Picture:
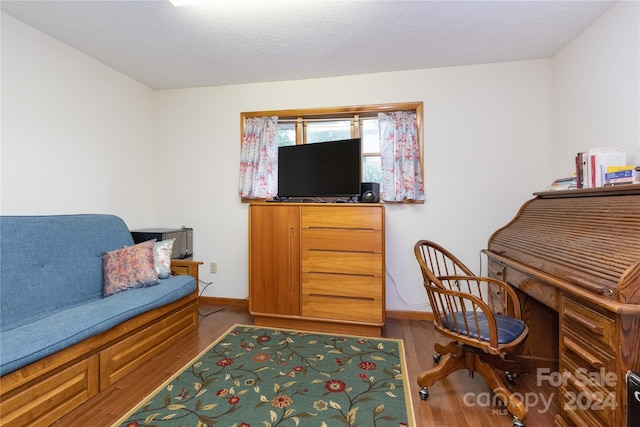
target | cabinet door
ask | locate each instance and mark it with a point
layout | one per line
(274, 259)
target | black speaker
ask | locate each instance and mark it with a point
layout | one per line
(369, 192)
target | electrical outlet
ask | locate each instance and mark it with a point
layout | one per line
(213, 267)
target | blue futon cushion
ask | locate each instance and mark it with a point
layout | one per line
(33, 341)
(50, 263)
(51, 284)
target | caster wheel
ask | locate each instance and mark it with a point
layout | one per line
(424, 393)
(437, 357)
(510, 377)
(517, 423)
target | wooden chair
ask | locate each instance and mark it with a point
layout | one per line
(472, 312)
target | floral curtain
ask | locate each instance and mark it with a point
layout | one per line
(401, 177)
(259, 158)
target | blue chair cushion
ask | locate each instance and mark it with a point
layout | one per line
(508, 328)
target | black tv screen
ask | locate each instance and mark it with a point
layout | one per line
(322, 169)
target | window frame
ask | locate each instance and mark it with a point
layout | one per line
(356, 113)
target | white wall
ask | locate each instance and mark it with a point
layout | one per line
(77, 136)
(596, 89)
(487, 144)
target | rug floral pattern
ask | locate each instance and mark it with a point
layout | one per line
(265, 377)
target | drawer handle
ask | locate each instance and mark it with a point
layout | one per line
(584, 321)
(316, 227)
(340, 250)
(341, 274)
(581, 387)
(574, 347)
(342, 297)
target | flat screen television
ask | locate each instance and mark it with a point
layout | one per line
(321, 169)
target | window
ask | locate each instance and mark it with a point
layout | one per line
(308, 126)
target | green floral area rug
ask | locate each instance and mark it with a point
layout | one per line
(255, 376)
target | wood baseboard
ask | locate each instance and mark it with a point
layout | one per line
(409, 315)
(237, 302)
(393, 314)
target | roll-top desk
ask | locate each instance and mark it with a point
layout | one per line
(574, 259)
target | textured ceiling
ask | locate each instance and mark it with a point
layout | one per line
(248, 41)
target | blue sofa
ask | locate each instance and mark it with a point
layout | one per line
(55, 323)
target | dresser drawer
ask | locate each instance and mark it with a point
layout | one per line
(354, 217)
(341, 296)
(541, 291)
(588, 323)
(342, 285)
(342, 240)
(358, 263)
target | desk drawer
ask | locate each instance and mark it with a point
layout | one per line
(588, 373)
(577, 411)
(496, 270)
(589, 323)
(584, 352)
(588, 390)
(543, 292)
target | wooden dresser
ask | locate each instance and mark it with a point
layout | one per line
(574, 259)
(317, 266)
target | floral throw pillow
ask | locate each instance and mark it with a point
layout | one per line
(129, 268)
(162, 257)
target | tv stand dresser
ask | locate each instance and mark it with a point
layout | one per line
(317, 266)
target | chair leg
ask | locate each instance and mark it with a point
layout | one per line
(449, 363)
(452, 347)
(497, 383)
(474, 362)
(502, 364)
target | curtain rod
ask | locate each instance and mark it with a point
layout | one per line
(361, 116)
(342, 119)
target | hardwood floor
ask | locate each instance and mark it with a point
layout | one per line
(446, 406)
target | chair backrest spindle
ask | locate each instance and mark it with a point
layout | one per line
(472, 311)
(462, 303)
